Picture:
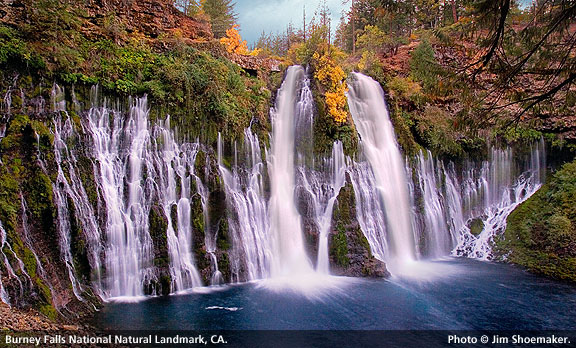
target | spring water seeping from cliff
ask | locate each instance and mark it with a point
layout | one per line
(120, 149)
(491, 192)
(248, 211)
(175, 180)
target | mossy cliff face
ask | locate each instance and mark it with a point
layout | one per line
(28, 214)
(541, 232)
(349, 249)
(215, 229)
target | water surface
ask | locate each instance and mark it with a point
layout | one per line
(454, 294)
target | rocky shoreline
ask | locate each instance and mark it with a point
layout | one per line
(16, 320)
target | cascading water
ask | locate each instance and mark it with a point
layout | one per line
(437, 233)
(175, 165)
(489, 192)
(71, 187)
(494, 194)
(456, 220)
(210, 235)
(323, 186)
(139, 167)
(121, 153)
(4, 245)
(3, 294)
(28, 243)
(289, 255)
(63, 224)
(248, 213)
(370, 113)
(369, 210)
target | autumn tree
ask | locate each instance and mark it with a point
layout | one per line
(234, 43)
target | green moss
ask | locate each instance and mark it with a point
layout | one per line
(198, 215)
(363, 241)
(27, 257)
(224, 265)
(165, 282)
(49, 311)
(339, 247)
(223, 242)
(541, 233)
(476, 226)
(158, 226)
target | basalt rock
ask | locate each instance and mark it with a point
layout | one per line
(350, 253)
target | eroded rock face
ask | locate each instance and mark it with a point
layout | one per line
(350, 253)
(150, 17)
(116, 18)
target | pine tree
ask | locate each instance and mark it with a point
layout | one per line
(222, 15)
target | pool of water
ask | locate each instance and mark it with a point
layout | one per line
(453, 294)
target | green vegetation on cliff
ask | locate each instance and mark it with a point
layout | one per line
(541, 232)
(191, 81)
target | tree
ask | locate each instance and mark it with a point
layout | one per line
(222, 15)
(543, 49)
(423, 65)
(234, 43)
(188, 7)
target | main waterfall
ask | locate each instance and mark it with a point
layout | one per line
(289, 255)
(370, 113)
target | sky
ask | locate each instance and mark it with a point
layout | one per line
(255, 16)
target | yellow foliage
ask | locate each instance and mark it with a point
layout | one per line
(255, 52)
(336, 102)
(331, 76)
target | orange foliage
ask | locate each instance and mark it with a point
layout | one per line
(234, 43)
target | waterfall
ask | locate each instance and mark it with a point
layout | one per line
(7, 101)
(58, 99)
(28, 243)
(494, 193)
(370, 114)
(322, 186)
(369, 210)
(456, 219)
(4, 245)
(71, 187)
(3, 294)
(119, 145)
(62, 190)
(248, 221)
(289, 255)
(63, 226)
(175, 167)
(210, 234)
(437, 233)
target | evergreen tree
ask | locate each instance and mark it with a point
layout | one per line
(222, 15)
